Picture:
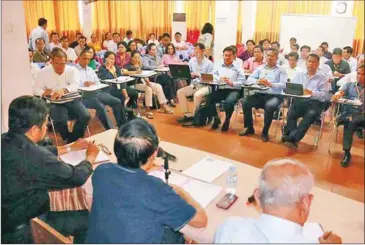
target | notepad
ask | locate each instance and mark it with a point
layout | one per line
(312, 231)
(75, 157)
(207, 169)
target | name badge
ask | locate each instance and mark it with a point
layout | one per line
(118, 86)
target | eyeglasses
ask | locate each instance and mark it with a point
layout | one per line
(104, 149)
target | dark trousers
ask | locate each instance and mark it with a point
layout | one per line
(350, 127)
(270, 103)
(310, 110)
(132, 93)
(68, 223)
(169, 87)
(230, 97)
(98, 101)
(73, 110)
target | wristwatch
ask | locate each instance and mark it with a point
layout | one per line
(68, 148)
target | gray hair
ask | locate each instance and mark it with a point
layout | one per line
(284, 182)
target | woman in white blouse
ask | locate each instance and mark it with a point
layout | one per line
(206, 38)
(108, 40)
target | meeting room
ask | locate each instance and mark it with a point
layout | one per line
(179, 121)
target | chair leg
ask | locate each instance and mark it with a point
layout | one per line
(54, 131)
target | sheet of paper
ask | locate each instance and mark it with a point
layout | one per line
(94, 87)
(75, 157)
(174, 178)
(146, 73)
(207, 169)
(312, 231)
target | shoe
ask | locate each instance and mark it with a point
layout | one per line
(360, 133)
(246, 132)
(265, 137)
(216, 123)
(346, 159)
(291, 144)
(185, 119)
(171, 104)
(225, 126)
(317, 122)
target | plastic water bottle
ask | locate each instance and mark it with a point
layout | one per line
(231, 180)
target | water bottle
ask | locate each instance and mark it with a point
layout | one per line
(231, 180)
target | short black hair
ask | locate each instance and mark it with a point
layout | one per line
(82, 37)
(337, 51)
(85, 50)
(348, 49)
(177, 33)
(116, 33)
(292, 39)
(167, 47)
(64, 38)
(316, 56)
(135, 52)
(294, 54)
(228, 49)
(234, 49)
(274, 50)
(260, 47)
(42, 21)
(305, 46)
(166, 35)
(200, 45)
(129, 32)
(207, 28)
(296, 46)
(54, 34)
(25, 112)
(277, 43)
(150, 45)
(251, 41)
(324, 43)
(58, 52)
(321, 48)
(39, 38)
(264, 40)
(124, 44)
(107, 53)
(135, 142)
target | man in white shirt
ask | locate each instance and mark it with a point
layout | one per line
(55, 41)
(304, 52)
(320, 52)
(100, 98)
(180, 46)
(347, 56)
(285, 199)
(281, 58)
(128, 37)
(39, 32)
(71, 54)
(351, 77)
(113, 46)
(292, 69)
(56, 81)
(34, 68)
(81, 46)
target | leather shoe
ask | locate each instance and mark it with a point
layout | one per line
(346, 159)
(225, 126)
(185, 119)
(216, 123)
(265, 137)
(246, 132)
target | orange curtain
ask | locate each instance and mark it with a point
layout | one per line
(358, 43)
(198, 13)
(239, 23)
(62, 16)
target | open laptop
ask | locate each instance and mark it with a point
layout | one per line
(294, 88)
(206, 78)
(181, 72)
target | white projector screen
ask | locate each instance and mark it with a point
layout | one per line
(312, 30)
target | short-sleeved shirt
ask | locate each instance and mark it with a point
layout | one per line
(130, 206)
(354, 91)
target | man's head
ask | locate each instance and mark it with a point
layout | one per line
(320, 51)
(40, 44)
(55, 37)
(265, 43)
(250, 44)
(294, 48)
(43, 23)
(165, 39)
(337, 55)
(85, 57)
(347, 52)
(292, 41)
(129, 34)
(136, 144)
(284, 190)
(228, 55)
(82, 41)
(64, 42)
(234, 50)
(152, 49)
(325, 46)
(312, 63)
(258, 52)
(28, 115)
(293, 59)
(304, 51)
(275, 45)
(59, 60)
(272, 57)
(178, 37)
(199, 50)
(116, 37)
(360, 75)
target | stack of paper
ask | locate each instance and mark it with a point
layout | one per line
(207, 169)
(75, 157)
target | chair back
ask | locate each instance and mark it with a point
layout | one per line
(44, 234)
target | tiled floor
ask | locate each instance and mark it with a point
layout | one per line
(326, 167)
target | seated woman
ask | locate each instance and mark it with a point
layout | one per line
(122, 58)
(140, 43)
(125, 94)
(95, 44)
(95, 61)
(134, 67)
(170, 56)
(108, 40)
(132, 46)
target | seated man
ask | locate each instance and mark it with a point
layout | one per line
(315, 83)
(351, 77)
(198, 65)
(353, 91)
(81, 46)
(70, 52)
(326, 53)
(233, 78)
(257, 60)
(291, 68)
(270, 75)
(76, 42)
(29, 171)
(304, 52)
(55, 41)
(338, 66)
(285, 199)
(128, 37)
(181, 48)
(99, 99)
(34, 68)
(161, 48)
(41, 55)
(347, 56)
(130, 206)
(281, 58)
(56, 81)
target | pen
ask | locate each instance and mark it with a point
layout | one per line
(328, 235)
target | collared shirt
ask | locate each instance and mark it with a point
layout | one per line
(78, 50)
(71, 54)
(326, 70)
(41, 57)
(28, 173)
(265, 229)
(34, 68)
(206, 66)
(281, 60)
(127, 40)
(351, 77)
(318, 84)
(112, 46)
(160, 50)
(302, 63)
(153, 41)
(38, 32)
(122, 62)
(180, 44)
(276, 75)
(234, 74)
(322, 60)
(237, 62)
(52, 45)
(168, 59)
(96, 46)
(328, 55)
(151, 62)
(48, 79)
(352, 62)
(251, 64)
(343, 67)
(106, 43)
(354, 91)
(87, 75)
(291, 72)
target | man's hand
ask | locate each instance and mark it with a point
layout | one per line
(264, 82)
(336, 96)
(92, 152)
(179, 191)
(126, 101)
(195, 74)
(307, 92)
(330, 238)
(227, 80)
(337, 74)
(58, 94)
(88, 84)
(47, 92)
(80, 144)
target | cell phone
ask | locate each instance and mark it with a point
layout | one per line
(227, 201)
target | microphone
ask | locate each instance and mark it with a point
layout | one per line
(165, 155)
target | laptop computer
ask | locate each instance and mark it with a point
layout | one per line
(294, 88)
(206, 78)
(181, 72)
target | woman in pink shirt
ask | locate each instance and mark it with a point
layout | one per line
(257, 60)
(122, 57)
(170, 56)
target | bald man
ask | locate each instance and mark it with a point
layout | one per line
(285, 199)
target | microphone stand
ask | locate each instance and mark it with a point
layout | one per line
(166, 167)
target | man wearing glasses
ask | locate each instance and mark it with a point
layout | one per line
(56, 81)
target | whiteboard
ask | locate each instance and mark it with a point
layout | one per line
(312, 30)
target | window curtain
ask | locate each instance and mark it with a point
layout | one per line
(358, 43)
(239, 23)
(269, 15)
(141, 17)
(62, 16)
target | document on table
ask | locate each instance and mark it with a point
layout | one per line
(207, 169)
(202, 192)
(75, 157)
(312, 231)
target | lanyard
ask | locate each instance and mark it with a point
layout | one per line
(336, 66)
(358, 92)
